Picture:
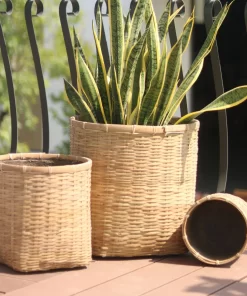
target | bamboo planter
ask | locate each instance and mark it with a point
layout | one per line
(45, 212)
(215, 228)
(143, 183)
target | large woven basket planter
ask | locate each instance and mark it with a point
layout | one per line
(143, 183)
(215, 228)
(44, 211)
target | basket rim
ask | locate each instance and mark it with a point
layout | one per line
(85, 164)
(137, 129)
(220, 197)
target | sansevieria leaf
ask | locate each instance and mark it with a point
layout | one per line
(134, 117)
(116, 35)
(186, 84)
(140, 67)
(153, 43)
(136, 24)
(173, 70)
(171, 81)
(98, 19)
(197, 65)
(118, 111)
(91, 90)
(102, 82)
(79, 82)
(153, 93)
(78, 47)
(141, 94)
(127, 29)
(229, 99)
(132, 60)
(167, 17)
(78, 103)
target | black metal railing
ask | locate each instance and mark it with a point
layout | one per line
(212, 7)
(38, 68)
(9, 79)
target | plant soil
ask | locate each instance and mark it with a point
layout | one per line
(40, 162)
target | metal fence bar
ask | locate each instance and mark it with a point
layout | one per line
(245, 15)
(133, 5)
(212, 8)
(173, 40)
(38, 68)
(9, 79)
(66, 35)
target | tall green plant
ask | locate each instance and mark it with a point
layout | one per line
(142, 84)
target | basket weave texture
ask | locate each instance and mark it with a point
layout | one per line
(143, 183)
(45, 214)
(239, 204)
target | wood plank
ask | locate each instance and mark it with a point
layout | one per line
(35, 276)
(8, 284)
(205, 281)
(73, 282)
(238, 289)
(148, 278)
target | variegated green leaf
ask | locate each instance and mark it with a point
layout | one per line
(116, 35)
(79, 82)
(175, 14)
(141, 94)
(77, 46)
(185, 85)
(131, 119)
(102, 82)
(153, 43)
(171, 80)
(136, 24)
(132, 60)
(86, 114)
(118, 111)
(91, 90)
(187, 31)
(153, 93)
(134, 117)
(127, 29)
(140, 67)
(196, 66)
(173, 70)
(164, 21)
(209, 42)
(98, 19)
(229, 99)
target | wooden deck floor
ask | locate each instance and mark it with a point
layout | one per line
(175, 276)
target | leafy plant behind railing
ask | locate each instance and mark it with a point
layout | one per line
(141, 86)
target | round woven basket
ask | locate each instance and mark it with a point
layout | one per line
(215, 228)
(45, 212)
(143, 183)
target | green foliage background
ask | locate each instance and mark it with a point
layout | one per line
(54, 64)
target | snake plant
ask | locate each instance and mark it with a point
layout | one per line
(142, 84)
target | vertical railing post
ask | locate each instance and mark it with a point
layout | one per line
(9, 79)
(245, 15)
(133, 4)
(212, 7)
(38, 68)
(66, 35)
